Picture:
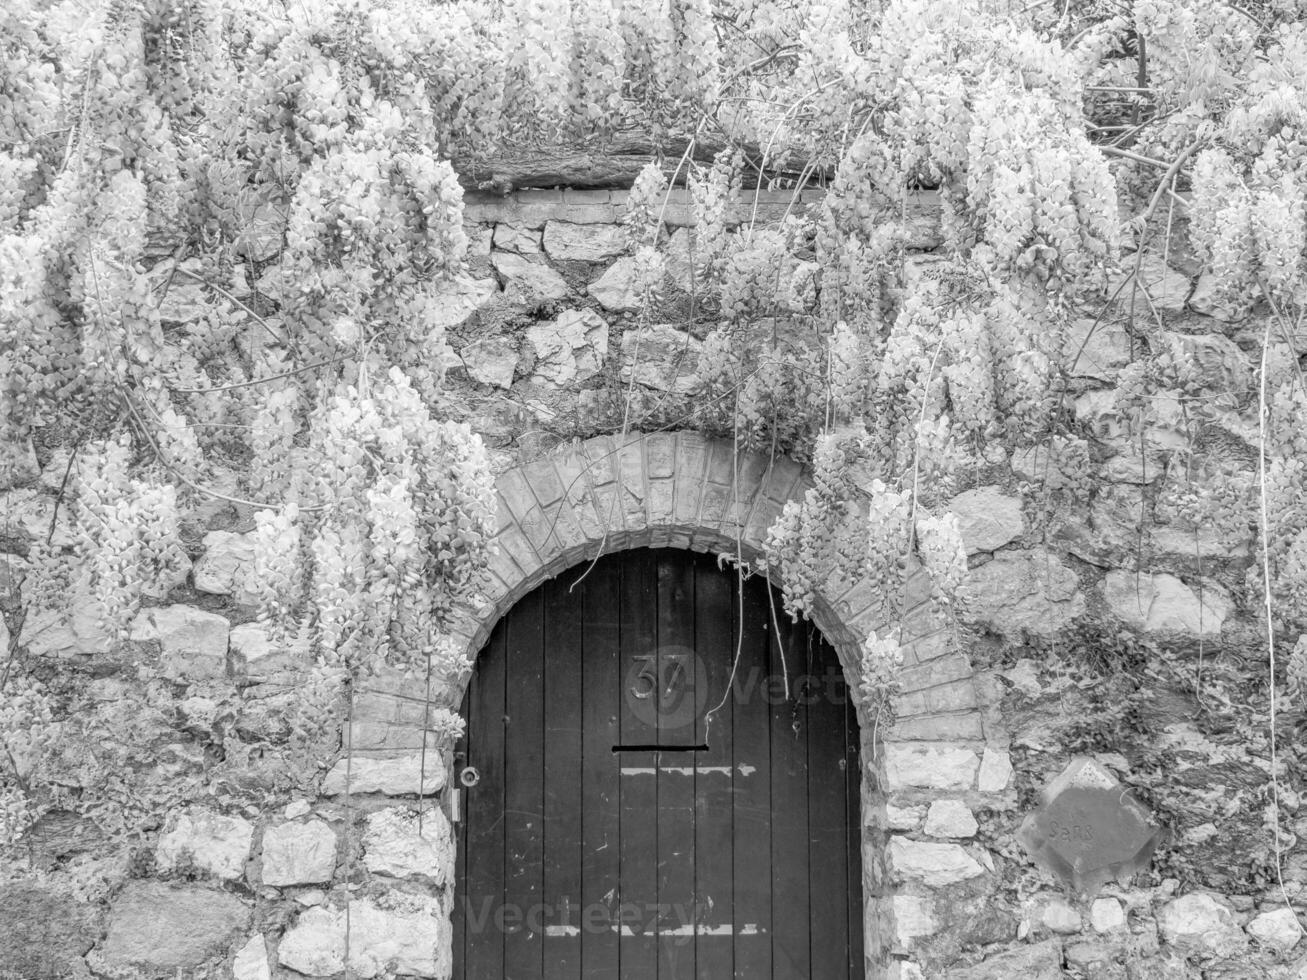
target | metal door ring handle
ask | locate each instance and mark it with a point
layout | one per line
(469, 776)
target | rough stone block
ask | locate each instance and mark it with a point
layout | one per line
(574, 242)
(1038, 961)
(941, 670)
(1278, 929)
(255, 656)
(661, 357)
(988, 519)
(528, 282)
(1164, 604)
(912, 918)
(1060, 917)
(158, 927)
(393, 777)
(933, 865)
(926, 765)
(193, 642)
(995, 770)
(45, 932)
(950, 818)
(491, 360)
(414, 942)
(299, 853)
(376, 736)
(60, 633)
(393, 846)
(946, 698)
(618, 289)
(1106, 915)
(251, 961)
(1024, 590)
(517, 238)
(226, 565)
(1202, 923)
(904, 817)
(569, 349)
(207, 841)
(945, 728)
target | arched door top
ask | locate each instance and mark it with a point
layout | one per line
(683, 490)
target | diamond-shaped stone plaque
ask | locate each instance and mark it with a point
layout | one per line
(1088, 829)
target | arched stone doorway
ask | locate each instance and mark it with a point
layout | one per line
(682, 490)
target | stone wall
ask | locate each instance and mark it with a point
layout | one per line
(1118, 629)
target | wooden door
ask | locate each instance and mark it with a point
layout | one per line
(642, 799)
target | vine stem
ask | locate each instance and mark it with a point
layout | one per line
(1270, 627)
(349, 814)
(257, 381)
(195, 277)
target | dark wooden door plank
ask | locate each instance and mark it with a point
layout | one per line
(483, 900)
(714, 643)
(676, 769)
(853, 800)
(828, 911)
(638, 770)
(563, 645)
(789, 786)
(751, 831)
(524, 815)
(601, 686)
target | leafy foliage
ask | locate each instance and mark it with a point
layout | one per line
(310, 150)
